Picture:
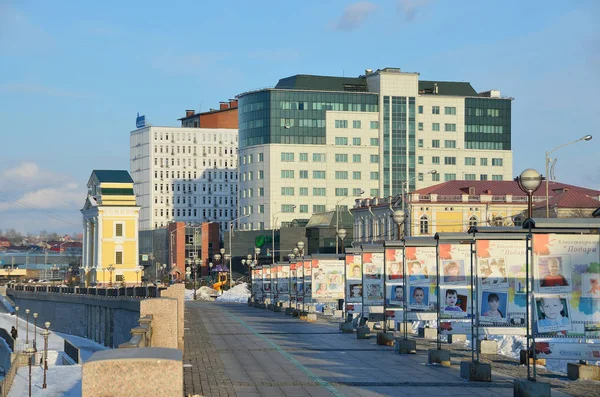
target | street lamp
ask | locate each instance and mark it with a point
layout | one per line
(231, 248)
(30, 352)
(342, 234)
(27, 327)
(110, 269)
(46, 334)
(35, 316)
(337, 218)
(17, 318)
(210, 266)
(529, 182)
(273, 236)
(399, 216)
(137, 274)
(404, 188)
(548, 160)
(300, 245)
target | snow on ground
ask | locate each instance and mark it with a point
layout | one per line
(239, 294)
(62, 380)
(203, 293)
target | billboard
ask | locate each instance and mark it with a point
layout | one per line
(327, 279)
(354, 277)
(372, 278)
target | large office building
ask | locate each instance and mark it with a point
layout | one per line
(315, 142)
(184, 175)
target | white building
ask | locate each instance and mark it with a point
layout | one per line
(314, 141)
(184, 174)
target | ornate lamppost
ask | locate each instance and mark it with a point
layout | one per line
(30, 352)
(27, 327)
(529, 181)
(342, 235)
(46, 334)
(17, 318)
(110, 269)
(35, 316)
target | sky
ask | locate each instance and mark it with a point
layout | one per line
(73, 76)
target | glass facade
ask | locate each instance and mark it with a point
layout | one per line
(487, 124)
(294, 117)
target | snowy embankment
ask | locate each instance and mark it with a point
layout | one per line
(202, 293)
(239, 294)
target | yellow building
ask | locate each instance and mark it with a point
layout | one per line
(110, 230)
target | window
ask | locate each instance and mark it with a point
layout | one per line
(261, 175)
(374, 141)
(450, 160)
(356, 175)
(250, 158)
(341, 192)
(287, 174)
(341, 124)
(303, 174)
(356, 124)
(420, 143)
(287, 208)
(261, 209)
(420, 159)
(435, 126)
(450, 144)
(374, 125)
(469, 160)
(261, 191)
(496, 162)
(374, 192)
(483, 177)
(473, 221)
(483, 161)
(469, 177)
(435, 110)
(118, 230)
(355, 192)
(420, 126)
(317, 209)
(287, 191)
(424, 224)
(261, 157)
(356, 141)
(118, 258)
(449, 177)
(319, 157)
(450, 110)
(318, 174)
(356, 158)
(341, 158)
(420, 109)
(319, 191)
(303, 156)
(435, 143)
(303, 208)
(497, 178)
(303, 191)
(374, 158)
(341, 141)
(420, 176)
(435, 160)
(450, 127)
(288, 157)
(341, 175)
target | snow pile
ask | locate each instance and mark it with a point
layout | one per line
(239, 294)
(205, 293)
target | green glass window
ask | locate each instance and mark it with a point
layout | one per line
(469, 160)
(341, 175)
(318, 209)
(356, 124)
(374, 176)
(356, 141)
(497, 162)
(318, 174)
(450, 144)
(374, 141)
(287, 191)
(420, 126)
(483, 162)
(497, 178)
(287, 208)
(450, 160)
(287, 156)
(356, 175)
(341, 141)
(319, 157)
(449, 177)
(469, 177)
(303, 174)
(341, 158)
(420, 109)
(450, 127)
(341, 192)
(420, 159)
(287, 174)
(303, 191)
(341, 124)
(374, 125)
(303, 208)
(356, 158)
(450, 110)
(319, 191)
(374, 192)
(435, 126)
(435, 110)
(435, 143)
(303, 157)
(374, 158)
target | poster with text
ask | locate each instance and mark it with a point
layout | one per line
(455, 302)
(267, 281)
(455, 264)
(393, 265)
(493, 306)
(299, 279)
(308, 281)
(283, 280)
(328, 279)
(421, 265)
(372, 278)
(293, 281)
(354, 278)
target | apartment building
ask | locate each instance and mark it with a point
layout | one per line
(316, 142)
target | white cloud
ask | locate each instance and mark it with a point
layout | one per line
(355, 15)
(40, 89)
(410, 8)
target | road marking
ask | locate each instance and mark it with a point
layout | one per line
(328, 386)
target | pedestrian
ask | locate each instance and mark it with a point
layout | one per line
(14, 333)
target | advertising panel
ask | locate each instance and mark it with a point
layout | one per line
(283, 282)
(394, 277)
(455, 272)
(421, 278)
(308, 281)
(354, 275)
(372, 278)
(328, 279)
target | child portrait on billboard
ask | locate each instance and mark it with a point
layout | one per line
(454, 271)
(554, 274)
(321, 289)
(456, 303)
(590, 285)
(493, 306)
(395, 294)
(419, 298)
(355, 290)
(493, 273)
(374, 292)
(417, 273)
(394, 271)
(552, 313)
(355, 272)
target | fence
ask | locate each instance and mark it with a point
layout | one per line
(8, 338)
(72, 352)
(133, 292)
(6, 383)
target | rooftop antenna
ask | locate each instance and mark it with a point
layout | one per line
(200, 107)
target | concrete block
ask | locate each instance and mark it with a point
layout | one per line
(457, 338)
(529, 388)
(289, 311)
(400, 327)
(102, 374)
(487, 346)
(435, 356)
(270, 306)
(476, 372)
(262, 306)
(402, 345)
(428, 333)
(277, 308)
(390, 324)
(385, 339)
(338, 313)
(363, 333)
(311, 317)
(577, 371)
(346, 328)
(296, 313)
(177, 291)
(328, 312)
(164, 321)
(523, 359)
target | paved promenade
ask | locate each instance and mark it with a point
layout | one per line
(236, 350)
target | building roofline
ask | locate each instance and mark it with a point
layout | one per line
(209, 112)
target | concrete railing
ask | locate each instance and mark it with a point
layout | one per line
(132, 292)
(141, 336)
(6, 383)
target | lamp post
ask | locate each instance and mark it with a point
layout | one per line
(210, 266)
(548, 160)
(300, 245)
(529, 182)
(46, 334)
(137, 275)
(17, 318)
(274, 220)
(196, 263)
(110, 269)
(27, 327)
(35, 316)
(30, 351)
(342, 235)
(230, 247)
(404, 191)
(399, 216)
(54, 269)
(337, 218)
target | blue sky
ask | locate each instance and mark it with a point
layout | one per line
(74, 75)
